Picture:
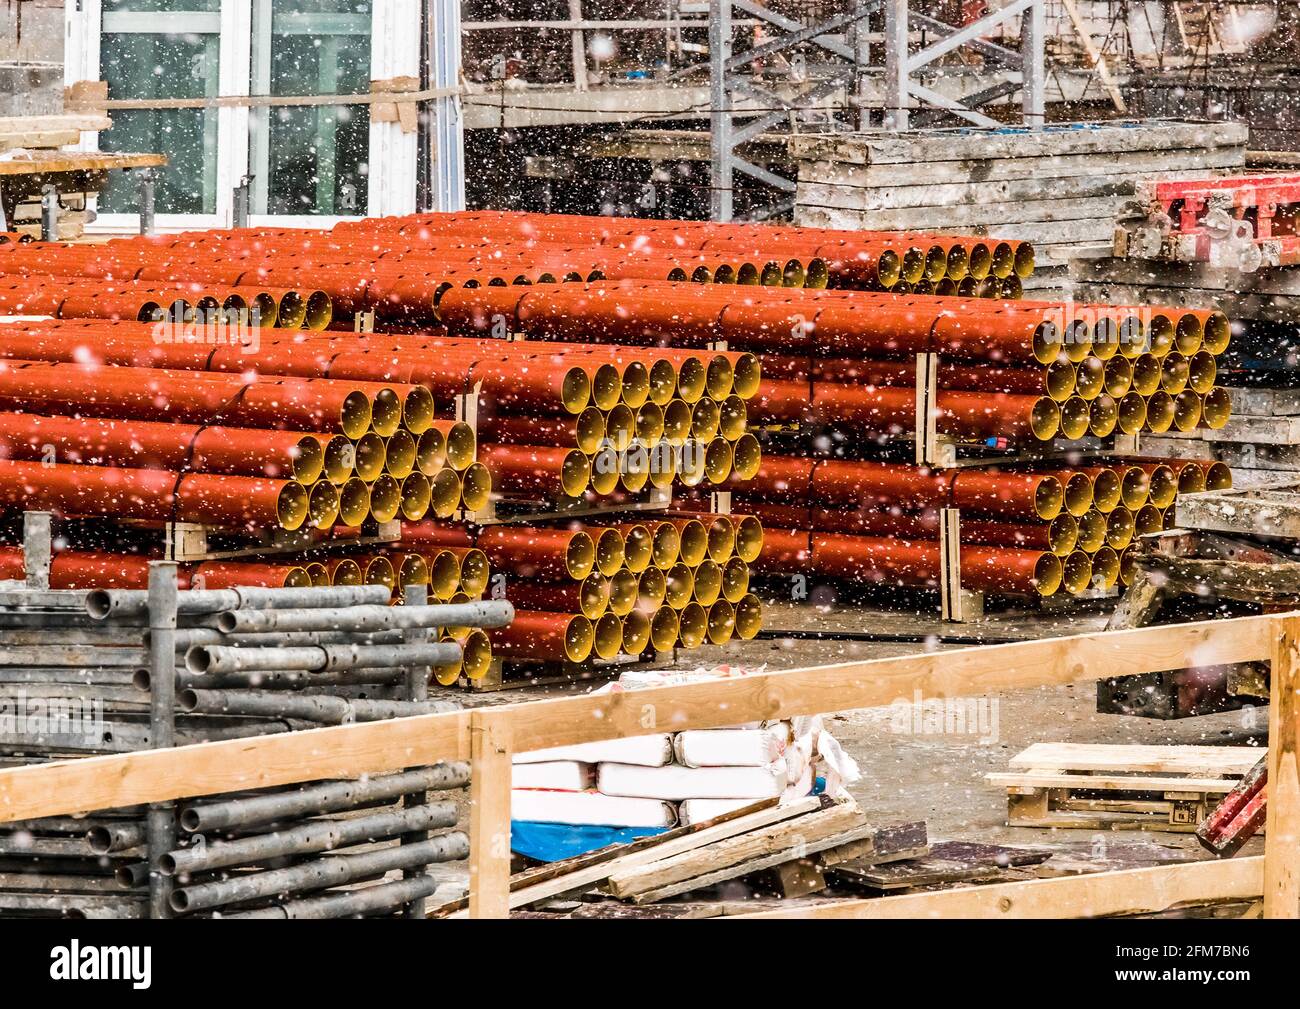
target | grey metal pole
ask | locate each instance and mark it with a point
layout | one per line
(161, 817)
(417, 689)
(721, 146)
(49, 214)
(147, 178)
(896, 71)
(860, 40)
(239, 202)
(1033, 32)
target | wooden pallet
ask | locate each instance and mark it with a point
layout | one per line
(1120, 787)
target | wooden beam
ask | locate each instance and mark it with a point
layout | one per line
(489, 823)
(1282, 825)
(1129, 891)
(65, 787)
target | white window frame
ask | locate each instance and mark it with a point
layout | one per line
(391, 182)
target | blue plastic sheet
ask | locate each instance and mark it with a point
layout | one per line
(551, 842)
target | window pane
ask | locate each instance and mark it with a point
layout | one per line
(154, 65)
(317, 155)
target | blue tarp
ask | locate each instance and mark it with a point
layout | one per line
(551, 842)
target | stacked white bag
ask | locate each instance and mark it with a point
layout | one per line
(665, 779)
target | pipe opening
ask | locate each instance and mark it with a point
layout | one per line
(958, 264)
(444, 569)
(1105, 338)
(1105, 568)
(264, 312)
(579, 639)
(722, 622)
(412, 570)
(1202, 370)
(323, 505)
(417, 494)
(1191, 480)
(1189, 334)
(1118, 376)
(418, 410)
(399, 454)
(708, 583)
(1160, 412)
(720, 376)
(1076, 572)
(792, 274)
(1023, 262)
(605, 473)
(345, 571)
(609, 551)
(667, 545)
(1044, 419)
(1092, 532)
(747, 275)
(735, 580)
(1090, 378)
(319, 311)
(1132, 413)
(663, 381)
(1174, 373)
(706, 416)
(724, 273)
(354, 502)
(308, 459)
(1162, 486)
(1120, 526)
(1187, 411)
(580, 555)
(1107, 489)
(354, 418)
(576, 473)
(664, 629)
(1216, 407)
(652, 589)
(747, 457)
(476, 655)
(444, 493)
(636, 633)
(474, 572)
(292, 506)
(692, 379)
(649, 423)
(386, 412)
(385, 499)
(606, 387)
(693, 625)
(475, 487)
(431, 451)
(1148, 520)
(1076, 417)
(1004, 260)
(1047, 574)
(1135, 487)
(718, 460)
(1217, 333)
(291, 311)
(749, 537)
(379, 571)
(679, 586)
(678, 418)
(913, 267)
(609, 636)
(620, 427)
(638, 548)
(320, 579)
(635, 388)
(1160, 336)
(369, 457)
(1062, 534)
(575, 390)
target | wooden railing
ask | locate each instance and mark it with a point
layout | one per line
(488, 736)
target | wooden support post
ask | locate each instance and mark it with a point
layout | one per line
(489, 824)
(578, 46)
(38, 548)
(1282, 826)
(927, 408)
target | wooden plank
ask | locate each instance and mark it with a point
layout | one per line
(1136, 783)
(1132, 891)
(489, 825)
(1262, 511)
(1260, 430)
(1017, 213)
(756, 864)
(732, 851)
(63, 123)
(351, 750)
(959, 144)
(1282, 825)
(1219, 760)
(53, 162)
